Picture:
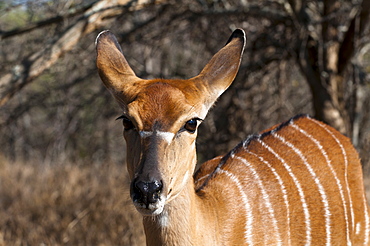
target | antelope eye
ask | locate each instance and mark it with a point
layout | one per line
(127, 123)
(191, 125)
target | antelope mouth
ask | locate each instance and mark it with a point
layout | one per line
(149, 209)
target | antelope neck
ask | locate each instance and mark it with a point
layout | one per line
(181, 221)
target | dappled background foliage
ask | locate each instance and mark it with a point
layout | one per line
(58, 120)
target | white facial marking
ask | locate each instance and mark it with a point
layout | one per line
(167, 136)
(145, 134)
(163, 219)
(154, 209)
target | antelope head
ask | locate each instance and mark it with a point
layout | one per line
(161, 117)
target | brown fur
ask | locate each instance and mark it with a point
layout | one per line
(275, 187)
(313, 198)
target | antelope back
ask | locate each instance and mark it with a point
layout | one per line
(299, 183)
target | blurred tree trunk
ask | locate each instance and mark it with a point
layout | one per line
(325, 52)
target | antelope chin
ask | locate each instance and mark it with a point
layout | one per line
(152, 209)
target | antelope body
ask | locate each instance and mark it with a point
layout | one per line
(298, 183)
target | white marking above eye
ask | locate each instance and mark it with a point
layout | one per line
(145, 134)
(167, 136)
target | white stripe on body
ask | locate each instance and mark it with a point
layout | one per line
(366, 212)
(265, 197)
(283, 190)
(248, 236)
(367, 222)
(201, 178)
(320, 187)
(340, 187)
(300, 191)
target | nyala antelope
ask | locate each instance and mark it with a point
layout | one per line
(298, 183)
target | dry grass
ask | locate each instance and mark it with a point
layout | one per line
(66, 205)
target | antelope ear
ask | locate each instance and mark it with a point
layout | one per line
(221, 70)
(113, 68)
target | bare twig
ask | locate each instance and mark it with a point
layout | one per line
(43, 23)
(94, 17)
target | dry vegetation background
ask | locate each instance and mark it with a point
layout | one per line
(62, 175)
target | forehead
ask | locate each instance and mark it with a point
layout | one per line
(160, 105)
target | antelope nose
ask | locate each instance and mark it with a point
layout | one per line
(146, 192)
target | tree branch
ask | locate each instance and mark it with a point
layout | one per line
(252, 10)
(356, 29)
(94, 17)
(43, 23)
